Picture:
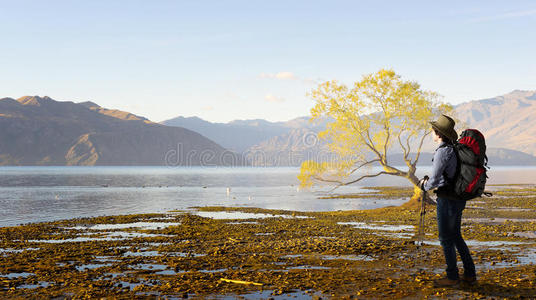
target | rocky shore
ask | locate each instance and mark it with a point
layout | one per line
(217, 252)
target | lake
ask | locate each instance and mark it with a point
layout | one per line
(35, 194)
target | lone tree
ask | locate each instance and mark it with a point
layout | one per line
(381, 112)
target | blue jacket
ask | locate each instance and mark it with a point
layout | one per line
(444, 163)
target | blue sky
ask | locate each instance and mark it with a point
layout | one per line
(226, 60)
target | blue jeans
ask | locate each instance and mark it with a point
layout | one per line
(449, 220)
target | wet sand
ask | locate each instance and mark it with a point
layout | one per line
(226, 252)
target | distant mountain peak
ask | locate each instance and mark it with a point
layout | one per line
(251, 122)
(118, 114)
(195, 118)
(89, 104)
(522, 93)
(519, 95)
(41, 131)
(506, 121)
(33, 100)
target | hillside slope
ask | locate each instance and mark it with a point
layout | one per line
(240, 135)
(507, 121)
(41, 131)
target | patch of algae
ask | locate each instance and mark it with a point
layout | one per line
(323, 255)
(377, 192)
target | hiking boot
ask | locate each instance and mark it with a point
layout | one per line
(469, 279)
(446, 282)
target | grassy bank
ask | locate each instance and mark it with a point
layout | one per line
(260, 253)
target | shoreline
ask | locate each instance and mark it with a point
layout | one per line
(338, 254)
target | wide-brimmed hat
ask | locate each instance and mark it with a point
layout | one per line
(445, 125)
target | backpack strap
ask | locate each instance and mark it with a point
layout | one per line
(486, 162)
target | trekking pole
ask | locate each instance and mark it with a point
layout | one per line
(422, 218)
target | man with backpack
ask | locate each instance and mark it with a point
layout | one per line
(449, 206)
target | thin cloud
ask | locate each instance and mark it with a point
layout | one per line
(233, 96)
(273, 99)
(288, 76)
(280, 75)
(509, 15)
(312, 81)
(285, 76)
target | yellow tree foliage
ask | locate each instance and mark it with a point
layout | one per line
(379, 112)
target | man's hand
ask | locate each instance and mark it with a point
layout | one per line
(422, 182)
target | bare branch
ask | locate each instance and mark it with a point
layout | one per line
(363, 164)
(339, 183)
(407, 160)
(373, 147)
(359, 179)
(426, 133)
(402, 146)
(370, 146)
(407, 142)
(386, 127)
(368, 176)
(328, 180)
(408, 146)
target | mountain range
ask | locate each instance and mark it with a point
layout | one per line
(240, 135)
(507, 121)
(41, 131)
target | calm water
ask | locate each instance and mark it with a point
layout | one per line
(33, 194)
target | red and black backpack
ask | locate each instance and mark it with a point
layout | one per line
(470, 179)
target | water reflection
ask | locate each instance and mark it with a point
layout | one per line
(33, 194)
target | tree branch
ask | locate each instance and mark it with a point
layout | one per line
(359, 179)
(386, 127)
(367, 176)
(426, 133)
(407, 160)
(407, 142)
(373, 147)
(370, 146)
(363, 164)
(402, 146)
(394, 171)
(327, 180)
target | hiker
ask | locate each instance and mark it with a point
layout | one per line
(449, 208)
